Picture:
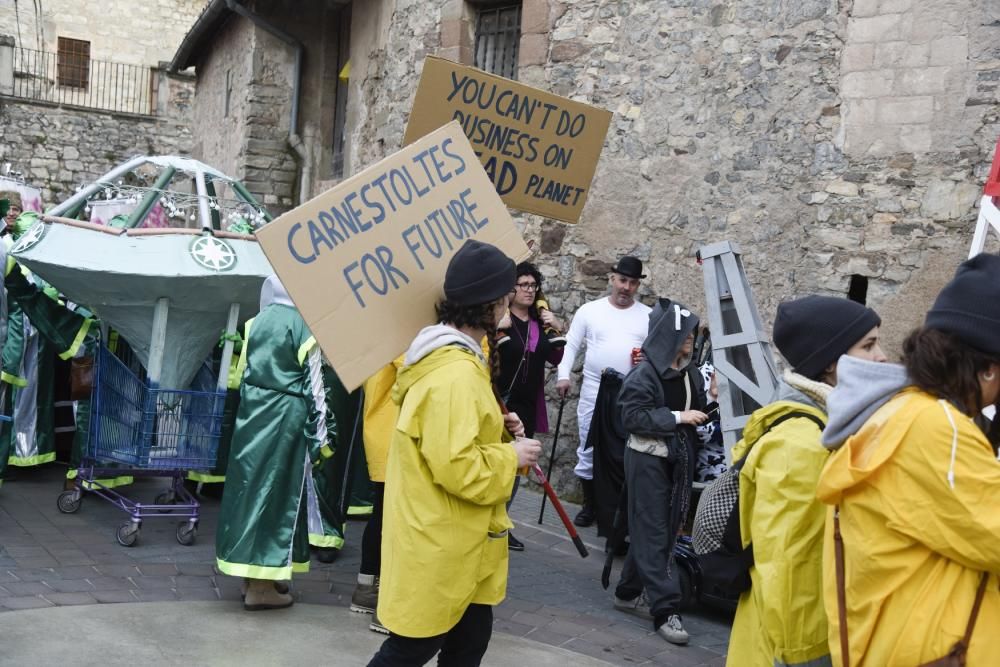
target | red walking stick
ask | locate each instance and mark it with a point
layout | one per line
(551, 493)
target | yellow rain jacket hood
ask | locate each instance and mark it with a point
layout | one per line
(780, 620)
(449, 473)
(918, 489)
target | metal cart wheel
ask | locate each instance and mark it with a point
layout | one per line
(127, 534)
(186, 532)
(168, 497)
(69, 501)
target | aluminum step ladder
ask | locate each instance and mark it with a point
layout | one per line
(747, 376)
(989, 214)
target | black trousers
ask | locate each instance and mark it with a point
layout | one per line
(649, 556)
(462, 646)
(371, 540)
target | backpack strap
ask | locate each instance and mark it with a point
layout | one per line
(794, 414)
(980, 592)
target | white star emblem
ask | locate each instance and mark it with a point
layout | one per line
(213, 253)
(30, 238)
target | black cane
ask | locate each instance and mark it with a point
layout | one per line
(552, 456)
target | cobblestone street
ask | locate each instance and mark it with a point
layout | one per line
(554, 597)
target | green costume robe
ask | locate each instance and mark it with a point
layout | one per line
(29, 439)
(39, 327)
(281, 426)
(327, 501)
(326, 505)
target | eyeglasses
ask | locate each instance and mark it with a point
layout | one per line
(527, 287)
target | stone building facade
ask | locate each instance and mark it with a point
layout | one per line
(136, 33)
(842, 144)
(829, 139)
(123, 104)
(248, 84)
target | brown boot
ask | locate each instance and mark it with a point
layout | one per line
(365, 597)
(261, 594)
(280, 586)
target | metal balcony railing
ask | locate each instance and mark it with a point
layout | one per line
(71, 78)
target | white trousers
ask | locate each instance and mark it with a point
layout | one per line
(584, 413)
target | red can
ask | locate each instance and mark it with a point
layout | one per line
(636, 355)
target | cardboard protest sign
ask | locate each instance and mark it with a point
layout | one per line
(365, 261)
(539, 149)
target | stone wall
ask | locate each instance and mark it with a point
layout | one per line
(221, 98)
(270, 170)
(919, 121)
(241, 111)
(58, 149)
(905, 77)
(828, 139)
(370, 26)
(252, 142)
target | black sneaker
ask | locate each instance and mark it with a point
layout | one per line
(513, 543)
(327, 554)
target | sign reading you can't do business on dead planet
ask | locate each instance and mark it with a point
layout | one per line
(539, 149)
(364, 262)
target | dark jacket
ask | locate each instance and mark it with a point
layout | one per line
(642, 400)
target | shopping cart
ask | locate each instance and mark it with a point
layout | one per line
(140, 430)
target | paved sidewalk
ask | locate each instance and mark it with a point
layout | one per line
(220, 633)
(50, 559)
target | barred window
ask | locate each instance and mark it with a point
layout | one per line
(73, 63)
(498, 35)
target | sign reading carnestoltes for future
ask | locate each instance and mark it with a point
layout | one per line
(539, 149)
(365, 261)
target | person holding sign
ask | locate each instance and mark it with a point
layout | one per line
(610, 327)
(280, 433)
(450, 470)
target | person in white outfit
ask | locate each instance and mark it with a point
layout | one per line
(610, 328)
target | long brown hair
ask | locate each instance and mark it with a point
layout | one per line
(943, 365)
(479, 316)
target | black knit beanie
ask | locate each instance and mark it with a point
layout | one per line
(969, 306)
(478, 273)
(812, 332)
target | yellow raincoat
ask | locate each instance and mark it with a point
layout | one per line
(380, 418)
(444, 545)
(780, 620)
(915, 544)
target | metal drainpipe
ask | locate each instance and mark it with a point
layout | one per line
(294, 140)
